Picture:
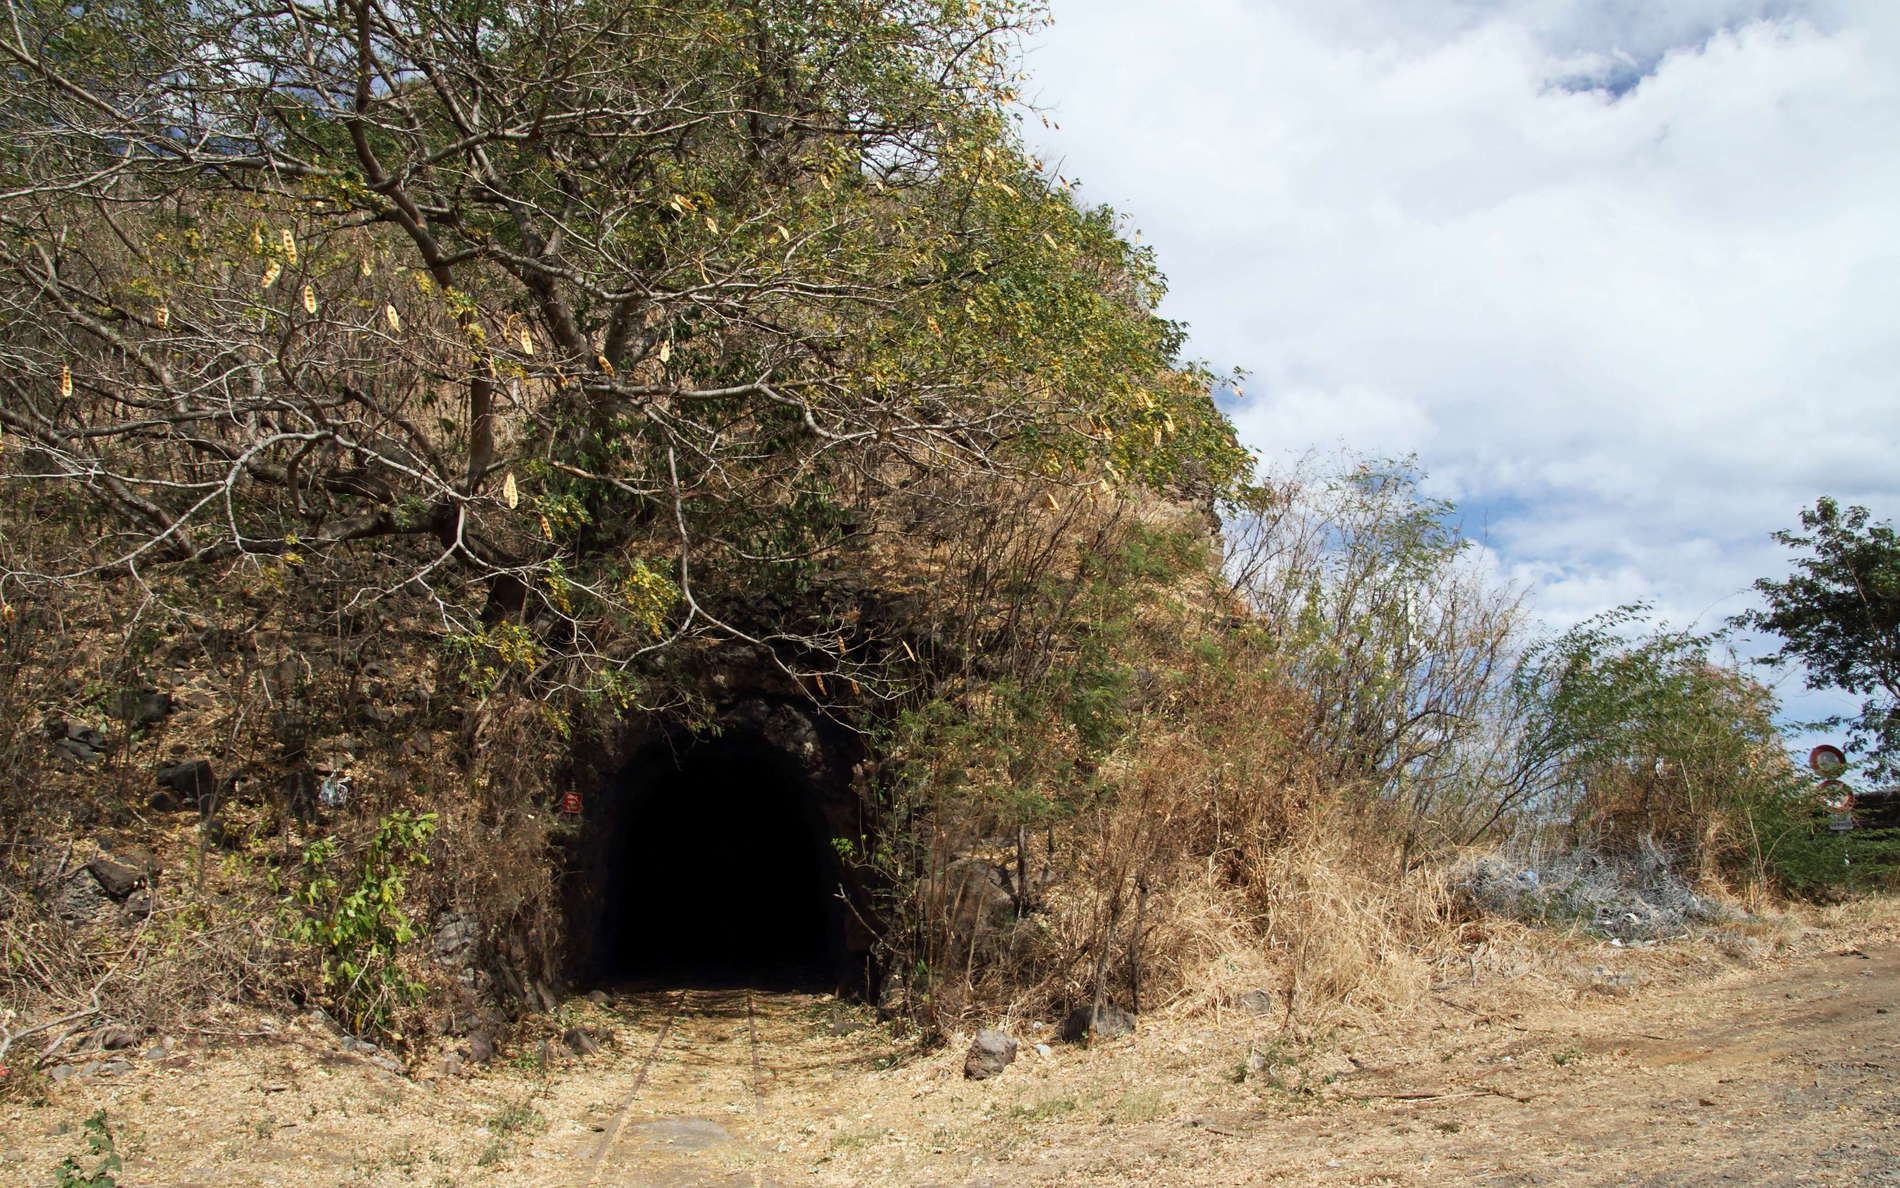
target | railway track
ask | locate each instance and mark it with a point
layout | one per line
(677, 1042)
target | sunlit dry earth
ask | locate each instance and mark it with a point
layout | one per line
(1688, 1064)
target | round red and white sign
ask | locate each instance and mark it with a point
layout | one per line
(1827, 761)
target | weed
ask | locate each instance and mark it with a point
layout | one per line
(1567, 1057)
(98, 1143)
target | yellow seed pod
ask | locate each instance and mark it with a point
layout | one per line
(547, 529)
(841, 645)
(1051, 501)
(272, 271)
(605, 364)
(257, 238)
(309, 300)
(510, 494)
(393, 318)
(854, 686)
(162, 317)
(666, 350)
(820, 678)
(364, 268)
(907, 651)
(289, 243)
(527, 342)
(66, 381)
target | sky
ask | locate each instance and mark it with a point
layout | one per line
(1624, 275)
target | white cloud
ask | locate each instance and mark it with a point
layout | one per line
(1638, 327)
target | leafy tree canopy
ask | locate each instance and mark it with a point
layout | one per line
(584, 322)
(1838, 614)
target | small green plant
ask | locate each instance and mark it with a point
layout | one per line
(358, 924)
(98, 1144)
(1567, 1057)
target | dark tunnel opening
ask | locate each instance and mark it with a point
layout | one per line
(710, 864)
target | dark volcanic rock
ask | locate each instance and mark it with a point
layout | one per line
(1087, 1023)
(990, 1053)
(121, 878)
(142, 707)
(192, 781)
(581, 1040)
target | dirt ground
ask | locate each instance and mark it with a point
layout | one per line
(1764, 1057)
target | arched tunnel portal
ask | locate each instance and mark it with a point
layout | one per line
(708, 859)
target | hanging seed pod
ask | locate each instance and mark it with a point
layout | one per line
(547, 529)
(257, 237)
(66, 381)
(309, 300)
(510, 494)
(364, 268)
(162, 317)
(666, 350)
(605, 365)
(289, 243)
(527, 342)
(272, 271)
(393, 318)
(907, 651)
(820, 678)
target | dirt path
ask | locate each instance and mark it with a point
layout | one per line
(1677, 1071)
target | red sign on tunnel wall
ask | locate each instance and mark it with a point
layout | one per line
(570, 802)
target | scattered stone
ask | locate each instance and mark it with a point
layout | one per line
(158, 1051)
(60, 1073)
(455, 938)
(1258, 1002)
(1044, 1050)
(581, 1040)
(597, 997)
(192, 781)
(78, 741)
(1087, 1023)
(139, 708)
(450, 1065)
(80, 897)
(57, 1129)
(115, 1038)
(990, 1053)
(113, 1068)
(481, 1047)
(138, 905)
(119, 879)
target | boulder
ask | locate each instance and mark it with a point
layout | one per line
(990, 1053)
(139, 708)
(1088, 1023)
(120, 878)
(481, 1047)
(191, 781)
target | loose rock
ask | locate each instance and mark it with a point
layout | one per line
(1087, 1023)
(581, 1040)
(120, 879)
(990, 1053)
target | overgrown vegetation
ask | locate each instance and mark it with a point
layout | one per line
(424, 396)
(357, 920)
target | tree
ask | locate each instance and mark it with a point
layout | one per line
(582, 324)
(1839, 616)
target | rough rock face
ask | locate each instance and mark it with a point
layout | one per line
(1087, 1023)
(990, 1053)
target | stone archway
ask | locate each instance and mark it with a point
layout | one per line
(707, 859)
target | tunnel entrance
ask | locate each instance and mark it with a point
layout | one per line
(706, 861)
